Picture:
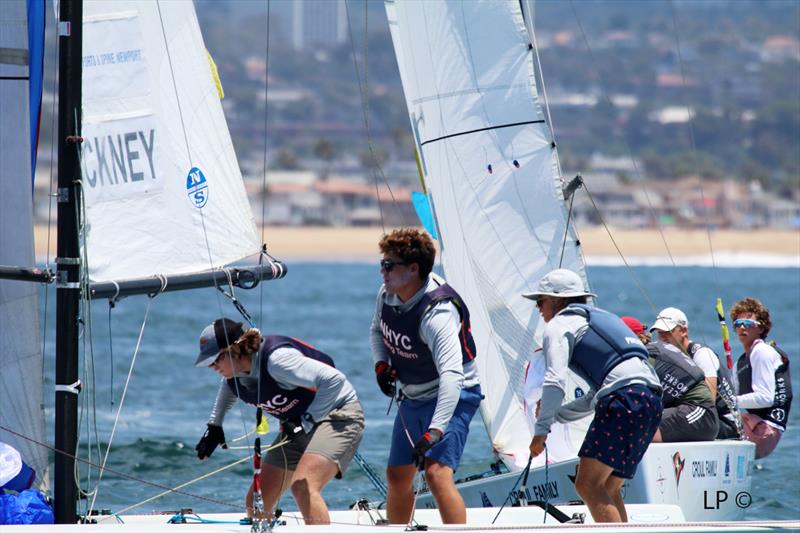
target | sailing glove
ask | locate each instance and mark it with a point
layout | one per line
(427, 441)
(213, 437)
(292, 428)
(386, 377)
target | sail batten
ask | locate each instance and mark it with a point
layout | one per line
(491, 170)
(161, 183)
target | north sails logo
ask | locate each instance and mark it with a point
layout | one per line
(197, 187)
(677, 466)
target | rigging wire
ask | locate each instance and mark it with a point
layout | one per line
(690, 124)
(191, 163)
(607, 97)
(363, 89)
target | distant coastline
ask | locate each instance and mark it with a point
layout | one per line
(758, 248)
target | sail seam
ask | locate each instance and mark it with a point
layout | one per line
(489, 128)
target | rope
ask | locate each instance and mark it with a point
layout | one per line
(122, 398)
(514, 488)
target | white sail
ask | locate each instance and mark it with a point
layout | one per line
(162, 185)
(491, 169)
(21, 407)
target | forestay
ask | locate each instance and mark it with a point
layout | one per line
(491, 169)
(163, 190)
(20, 338)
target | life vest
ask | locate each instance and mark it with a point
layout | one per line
(726, 390)
(678, 373)
(606, 343)
(284, 404)
(778, 413)
(409, 355)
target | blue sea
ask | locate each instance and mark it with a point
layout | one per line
(330, 305)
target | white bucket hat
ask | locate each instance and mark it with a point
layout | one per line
(560, 283)
(669, 319)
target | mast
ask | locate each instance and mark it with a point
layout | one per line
(70, 29)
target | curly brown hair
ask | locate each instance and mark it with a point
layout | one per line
(246, 345)
(412, 246)
(751, 305)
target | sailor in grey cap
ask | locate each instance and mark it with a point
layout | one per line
(322, 420)
(625, 393)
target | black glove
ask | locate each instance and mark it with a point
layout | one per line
(213, 437)
(386, 376)
(292, 428)
(427, 441)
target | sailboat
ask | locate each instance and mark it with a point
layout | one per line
(501, 210)
(150, 197)
(152, 53)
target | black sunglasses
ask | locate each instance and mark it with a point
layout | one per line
(388, 264)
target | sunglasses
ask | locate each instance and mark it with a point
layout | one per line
(746, 323)
(388, 265)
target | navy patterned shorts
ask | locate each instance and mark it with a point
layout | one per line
(623, 426)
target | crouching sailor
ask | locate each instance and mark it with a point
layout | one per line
(624, 390)
(321, 417)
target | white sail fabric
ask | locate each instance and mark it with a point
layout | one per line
(21, 408)
(492, 172)
(162, 185)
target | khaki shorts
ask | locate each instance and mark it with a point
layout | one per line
(335, 437)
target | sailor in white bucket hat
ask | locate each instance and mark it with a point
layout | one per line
(625, 392)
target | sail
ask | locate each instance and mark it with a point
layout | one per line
(21, 407)
(491, 169)
(162, 187)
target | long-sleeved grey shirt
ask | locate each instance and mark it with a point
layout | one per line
(291, 369)
(561, 335)
(439, 329)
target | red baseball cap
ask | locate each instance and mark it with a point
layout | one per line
(636, 326)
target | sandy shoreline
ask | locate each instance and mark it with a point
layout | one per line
(773, 247)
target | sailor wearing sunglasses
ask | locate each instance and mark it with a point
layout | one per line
(765, 386)
(421, 340)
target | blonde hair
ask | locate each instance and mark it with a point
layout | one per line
(246, 345)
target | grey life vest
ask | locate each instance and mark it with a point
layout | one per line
(677, 372)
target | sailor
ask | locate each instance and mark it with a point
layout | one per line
(322, 420)
(672, 326)
(765, 385)
(625, 391)
(689, 412)
(421, 342)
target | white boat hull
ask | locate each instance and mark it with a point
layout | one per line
(709, 481)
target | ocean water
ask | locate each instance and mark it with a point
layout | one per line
(167, 400)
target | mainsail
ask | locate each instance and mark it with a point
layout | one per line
(162, 187)
(490, 166)
(21, 407)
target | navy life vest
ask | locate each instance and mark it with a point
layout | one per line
(409, 355)
(678, 373)
(606, 343)
(284, 404)
(726, 390)
(778, 413)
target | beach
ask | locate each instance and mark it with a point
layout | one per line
(768, 247)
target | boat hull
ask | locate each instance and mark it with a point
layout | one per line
(709, 481)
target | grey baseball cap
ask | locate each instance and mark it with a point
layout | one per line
(560, 283)
(215, 337)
